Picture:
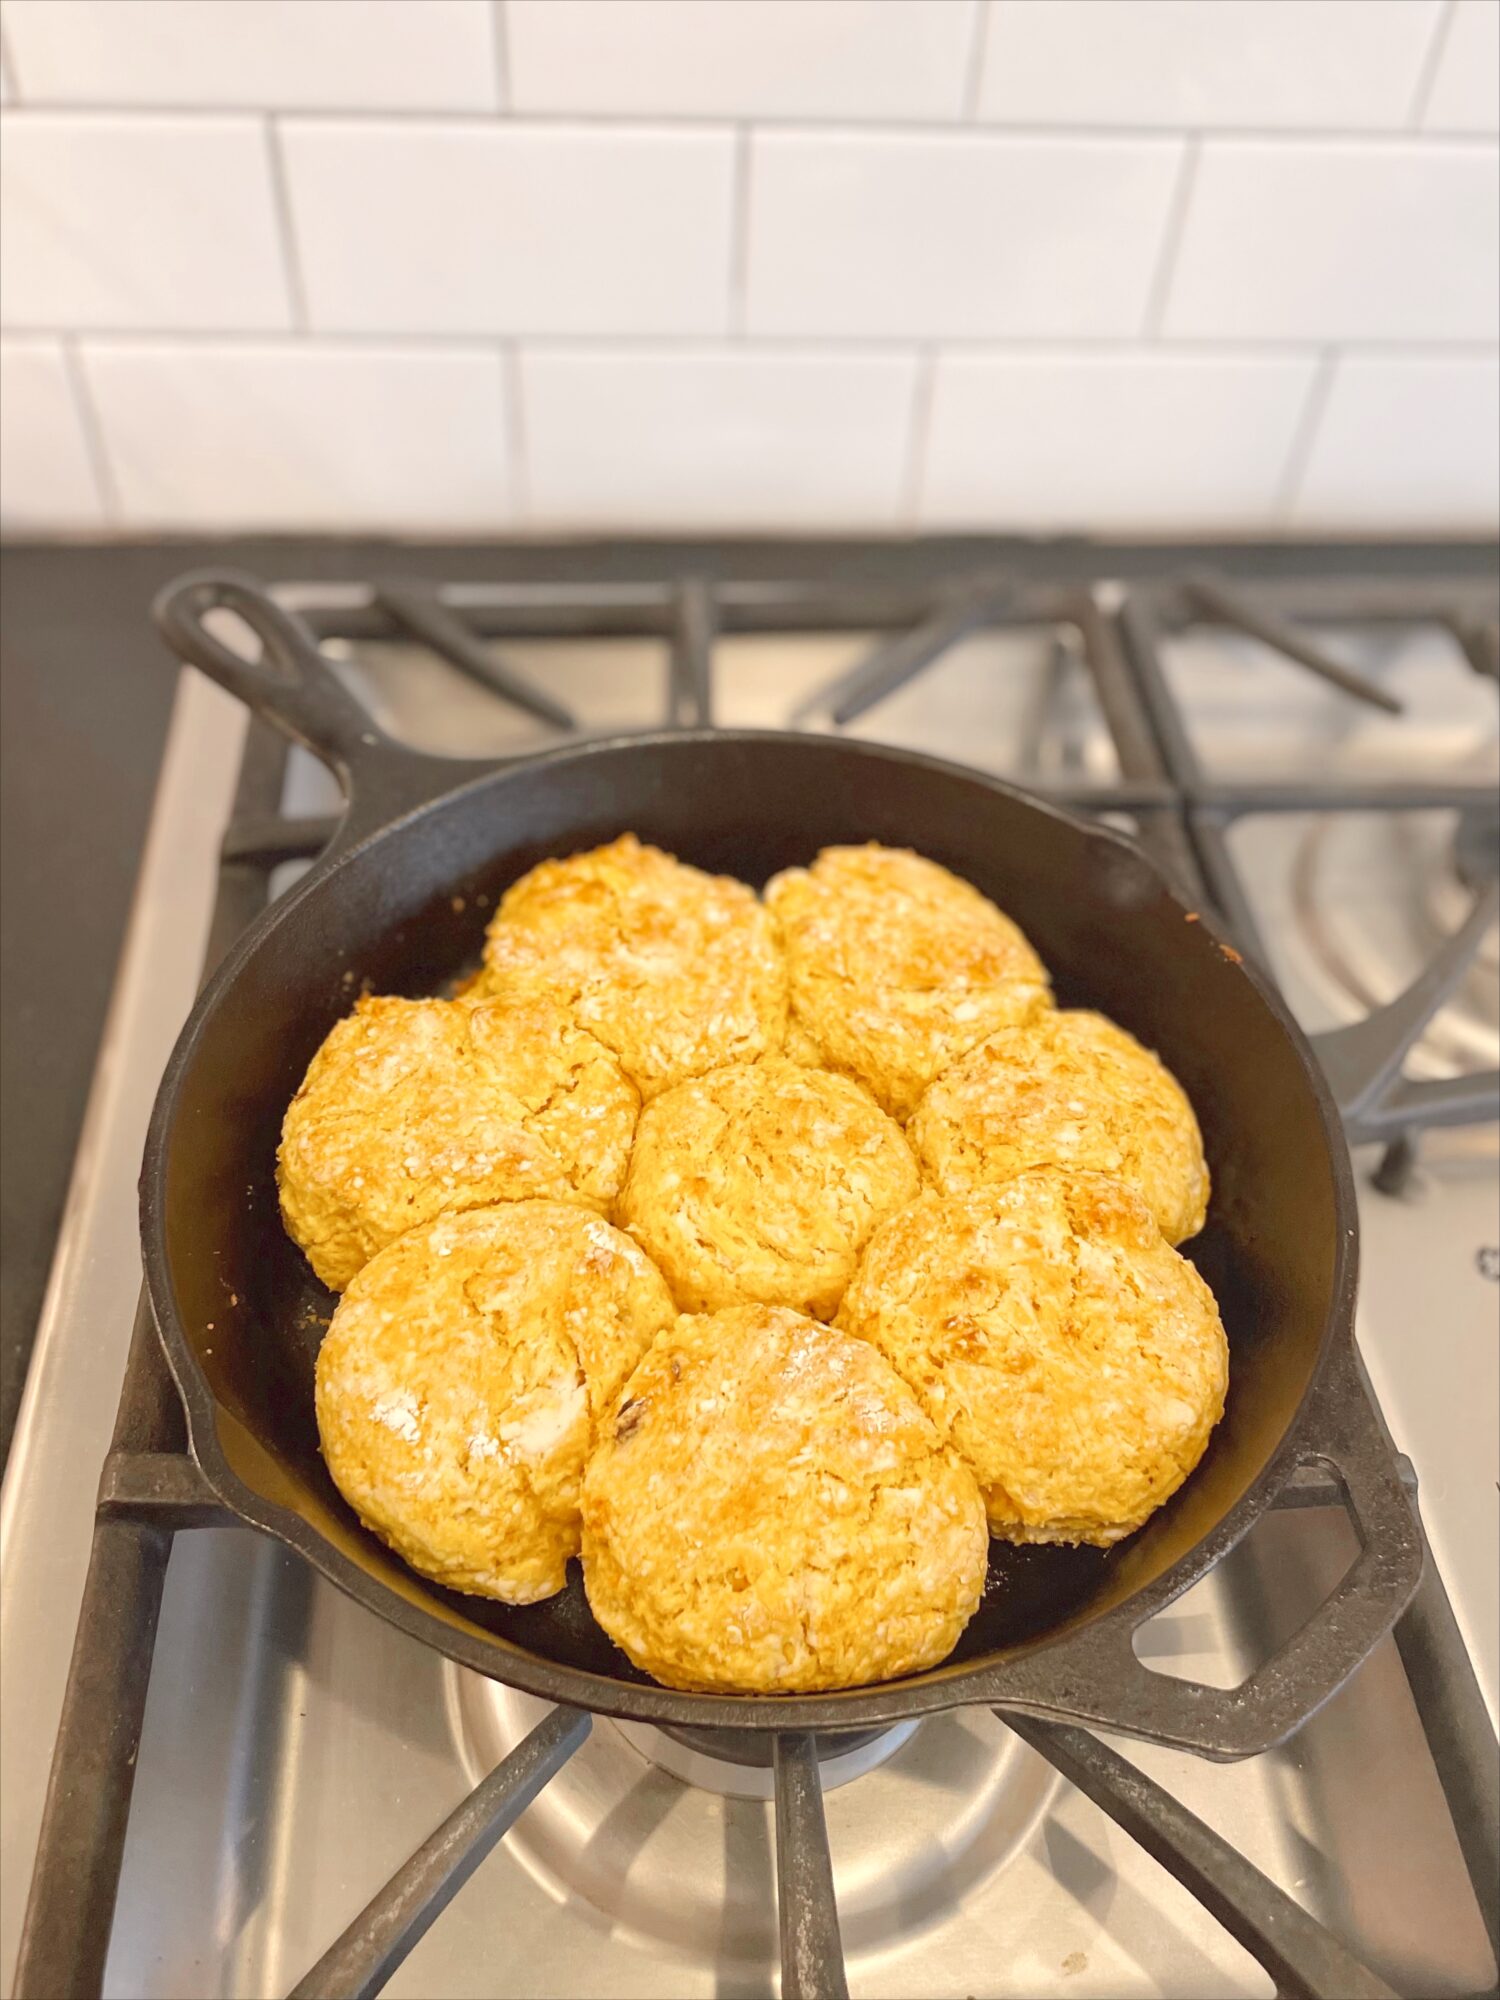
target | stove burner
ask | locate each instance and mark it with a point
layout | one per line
(662, 1836)
(751, 1748)
(673, 1842)
(1370, 943)
(737, 1764)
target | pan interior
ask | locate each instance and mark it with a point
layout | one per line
(405, 912)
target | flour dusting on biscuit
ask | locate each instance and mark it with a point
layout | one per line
(769, 1510)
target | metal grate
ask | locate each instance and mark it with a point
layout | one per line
(150, 1489)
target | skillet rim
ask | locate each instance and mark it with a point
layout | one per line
(945, 1686)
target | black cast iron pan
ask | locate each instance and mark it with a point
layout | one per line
(396, 901)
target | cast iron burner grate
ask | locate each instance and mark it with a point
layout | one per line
(151, 1490)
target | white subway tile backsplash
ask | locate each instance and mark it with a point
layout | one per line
(296, 435)
(470, 228)
(137, 222)
(727, 438)
(46, 476)
(1334, 240)
(1465, 95)
(1126, 264)
(1406, 441)
(1186, 62)
(1111, 439)
(918, 235)
(741, 58)
(423, 55)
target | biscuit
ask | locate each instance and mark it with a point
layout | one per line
(1066, 1089)
(897, 967)
(759, 1185)
(675, 971)
(1075, 1360)
(800, 1048)
(461, 1381)
(768, 1510)
(411, 1107)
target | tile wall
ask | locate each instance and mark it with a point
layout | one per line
(817, 264)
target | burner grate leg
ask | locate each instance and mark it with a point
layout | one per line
(1306, 1961)
(417, 1894)
(812, 1953)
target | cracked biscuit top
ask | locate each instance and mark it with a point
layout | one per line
(1066, 1089)
(411, 1107)
(675, 971)
(462, 1381)
(1073, 1357)
(768, 1510)
(759, 1185)
(897, 967)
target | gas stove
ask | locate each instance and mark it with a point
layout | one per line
(1315, 756)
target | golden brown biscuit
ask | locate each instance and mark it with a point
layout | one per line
(411, 1107)
(676, 971)
(769, 1511)
(799, 1047)
(462, 1379)
(760, 1184)
(897, 967)
(1070, 1354)
(1066, 1089)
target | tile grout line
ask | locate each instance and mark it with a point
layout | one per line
(1299, 454)
(1175, 229)
(974, 61)
(801, 125)
(93, 431)
(739, 235)
(8, 70)
(913, 473)
(515, 408)
(1427, 69)
(291, 262)
(500, 55)
(440, 340)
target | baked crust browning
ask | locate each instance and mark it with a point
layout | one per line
(675, 971)
(897, 967)
(761, 1184)
(1066, 1089)
(411, 1107)
(1071, 1355)
(462, 1380)
(769, 1510)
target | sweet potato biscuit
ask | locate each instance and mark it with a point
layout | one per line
(1066, 1089)
(799, 1047)
(676, 971)
(768, 1510)
(411, 1107)
(463, 1377)
(1069, 1353)
(760, 1184)
(897, 967)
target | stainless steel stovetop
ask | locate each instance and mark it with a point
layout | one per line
(296, 1749)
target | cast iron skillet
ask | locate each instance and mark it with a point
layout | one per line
(397, 900)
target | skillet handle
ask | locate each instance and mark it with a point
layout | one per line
(1094, 1676)
(293, 687)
